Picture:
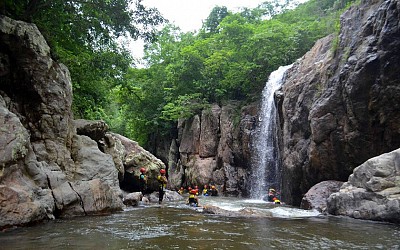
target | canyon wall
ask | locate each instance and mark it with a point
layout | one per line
(48, 168)
(339, 105)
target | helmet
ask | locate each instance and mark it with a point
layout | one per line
(142, 170)
(162, 171)
(181, 188)
(189, 188)
(212, 187)
(193, 191)
(272, 190)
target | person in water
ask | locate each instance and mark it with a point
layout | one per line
(143, 180)
(162, 184)
(213, 191)
(205, 191)
(193, 200)
(181, 190)
(273, 196)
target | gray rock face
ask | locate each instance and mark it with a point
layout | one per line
(245, 212)
(213, 149)
(133, 157)
(46, 169)
(317, 196)
(133, 199)
(372, 192)
(340, 102)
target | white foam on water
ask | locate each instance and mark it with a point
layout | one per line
(254, 201)
(287, 212)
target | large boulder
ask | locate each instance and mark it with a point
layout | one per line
(372, 191)
(340, 103)
(316, 198)
(130, 157)
(46, 169)
(96, 130)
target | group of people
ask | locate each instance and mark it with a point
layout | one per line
(162, 183)
(193, 199)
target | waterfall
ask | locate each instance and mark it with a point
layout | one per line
(265, 159)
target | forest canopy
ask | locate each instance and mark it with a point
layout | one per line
(229, 58)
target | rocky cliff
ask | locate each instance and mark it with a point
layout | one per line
(48, 169)
(214, 148)
(339, 105)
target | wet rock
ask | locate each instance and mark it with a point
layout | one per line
(168, 196)
(316, 197)
(372, 192)
(133, 199)
(245, 212)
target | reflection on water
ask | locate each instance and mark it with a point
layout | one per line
(176, 226)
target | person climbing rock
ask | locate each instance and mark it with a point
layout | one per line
(162, 184)
(193, 200)
(142, 180)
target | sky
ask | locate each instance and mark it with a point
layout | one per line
(189, 15)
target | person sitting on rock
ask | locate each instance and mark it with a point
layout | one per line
(193, 200)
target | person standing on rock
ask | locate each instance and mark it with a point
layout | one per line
(143, 180)
(162, 184)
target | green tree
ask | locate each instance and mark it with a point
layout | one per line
(83, 35)
(214, 19)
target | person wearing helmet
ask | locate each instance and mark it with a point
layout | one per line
(213, 191)
(193, 200)
(205, 190)
(271, 194)
(162, 184)
(181, 190)
(142, 180)
(197, 189)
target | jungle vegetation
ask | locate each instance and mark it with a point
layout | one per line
(229, 58)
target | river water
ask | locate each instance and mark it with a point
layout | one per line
(174, 225)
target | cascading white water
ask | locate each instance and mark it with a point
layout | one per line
(265, 159)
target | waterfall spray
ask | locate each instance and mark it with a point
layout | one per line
(265, 159)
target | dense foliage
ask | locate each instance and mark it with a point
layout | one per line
(83, 34)
(229, 58)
